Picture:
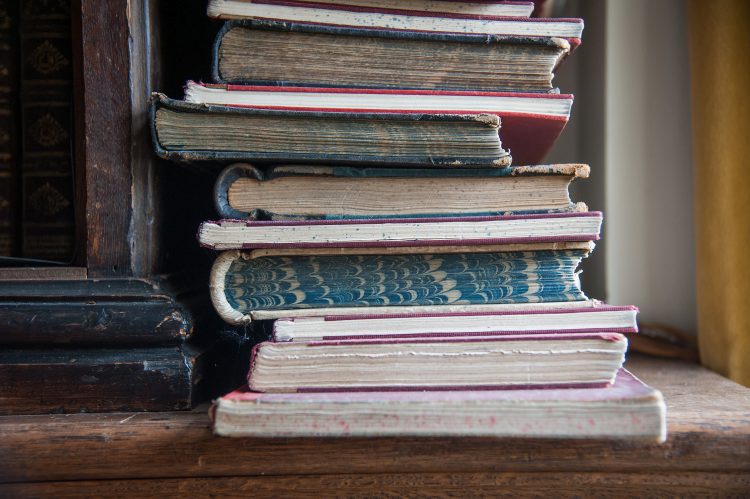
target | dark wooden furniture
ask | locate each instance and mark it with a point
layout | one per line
(157, 454)
(137, 287)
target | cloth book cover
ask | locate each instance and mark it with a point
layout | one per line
(184, 131)
(307, 192)
(628, 409)
(531, 122)
(583, 319)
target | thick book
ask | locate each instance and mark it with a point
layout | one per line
(266, 284)
(330, 192)
(585, 319)
(531, 123)
(390, 232)
(459, 362)
(628, 409)
(198, 132)
(279, 53)
(340, 14)
(233, 9)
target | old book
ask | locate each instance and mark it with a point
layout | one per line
(195, 132)
(231, 9)
(459, 362)
(46, 114)
(9, 133)
(270, 315)
(329, 192)
(628, 409)
(359, 16)
(388, 232)
(279, 53)
(584, 319)
(247, 286)
(531, 123)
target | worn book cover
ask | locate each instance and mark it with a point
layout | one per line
(628, 409)
(269, 53)
(186, 131)
(587, 317)
(531, 122)
(230, 9)
(308, 192)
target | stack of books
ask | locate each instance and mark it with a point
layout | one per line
(419, 284)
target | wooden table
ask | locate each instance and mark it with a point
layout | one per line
(169, 454)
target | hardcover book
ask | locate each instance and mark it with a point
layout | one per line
(359, 16)
(531, 122)
(232, 9)
(279, 53)
(423, 231)
(194, 132)
(584, 319)
(459, 362)
(243, 284)
(628, 409)
(328, 192)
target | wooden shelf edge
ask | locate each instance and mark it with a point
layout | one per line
(704, 436)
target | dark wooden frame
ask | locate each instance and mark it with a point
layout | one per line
(115, 166)
(115, 301)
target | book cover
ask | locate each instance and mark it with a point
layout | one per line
(231, 9)
(185, 131)
(531, 122)
(243, 283)
(308, 192)
(270, 53)
(628, 409)
(584, 319)
(387, 232)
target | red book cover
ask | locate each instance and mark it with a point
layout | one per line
(530, 122)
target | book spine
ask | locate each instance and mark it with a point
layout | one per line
(226, 178)
(9, 151)
(48, 230)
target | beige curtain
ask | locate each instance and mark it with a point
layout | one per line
(719, 32)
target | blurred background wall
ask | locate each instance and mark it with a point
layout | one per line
(631, 123)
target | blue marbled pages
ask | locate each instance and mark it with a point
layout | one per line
(306, 281)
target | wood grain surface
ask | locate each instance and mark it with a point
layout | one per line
(438, 485)
(708, 450)
(106, 147)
